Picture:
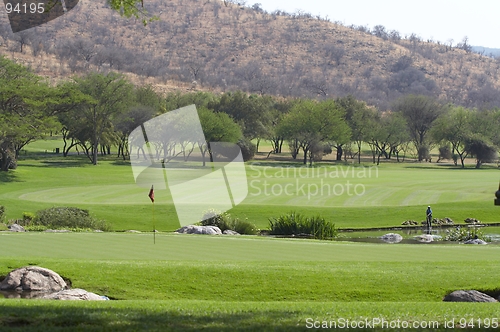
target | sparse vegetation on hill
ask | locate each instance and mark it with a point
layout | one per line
(212, 45)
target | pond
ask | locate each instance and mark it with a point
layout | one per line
(416, 235)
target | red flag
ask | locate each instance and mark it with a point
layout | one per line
(152, 195)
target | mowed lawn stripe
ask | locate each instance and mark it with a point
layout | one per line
(106, 246)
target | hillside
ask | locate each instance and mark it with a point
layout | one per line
(206, 45)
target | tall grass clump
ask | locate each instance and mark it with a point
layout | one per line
(68, 217)
(224, 221)
(295, 224)
(465, 234)
(2, 214)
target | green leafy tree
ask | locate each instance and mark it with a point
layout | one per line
(310, 122)
(420, 113)
(111, 94)
(456, 127)
(217, 127)
(250, 112)
(28, 109)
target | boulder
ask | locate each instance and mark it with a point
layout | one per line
(192, 229)
(16, 228)
(409, 223)
(391, 238)
(230, 232)
(75, 294)
(33, 278)
(468, 296)
(472, 221)
(425, 238)
(475, 241)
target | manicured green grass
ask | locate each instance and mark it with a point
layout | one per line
(386, 195)
(244, 283)
(188, 315)
(188, 282)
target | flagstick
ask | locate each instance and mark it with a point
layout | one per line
(154, 228)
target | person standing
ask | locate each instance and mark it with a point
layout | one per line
(429, 217)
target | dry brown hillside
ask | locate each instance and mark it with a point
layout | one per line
(203, 44)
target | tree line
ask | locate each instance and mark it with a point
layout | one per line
(95, 112)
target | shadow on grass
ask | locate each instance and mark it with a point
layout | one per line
(9, 176)
(108, 318)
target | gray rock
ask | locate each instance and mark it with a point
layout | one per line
(475, 241)
(230, 232)
(57, 231)
(133, 231)
(16, 228)
(391, 238)
(425, 238)
(192, 229)
(468, 296)
(75, 294)
(33, 278)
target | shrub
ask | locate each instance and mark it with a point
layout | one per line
(247, 149)
(68, 217)
(465, 234)
(2, 214)
(295, 224)
(445, 152)
(225, 222)
(243, 227)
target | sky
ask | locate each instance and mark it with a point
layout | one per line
(440, 20)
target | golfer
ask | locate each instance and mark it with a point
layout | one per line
(429, 217)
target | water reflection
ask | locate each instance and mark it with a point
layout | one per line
(414, 236)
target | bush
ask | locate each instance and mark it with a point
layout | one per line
(247, 149)
(466, 234)
(2, 214)
(68, 217)
(445, 152)
(295, 224)
(225, 222)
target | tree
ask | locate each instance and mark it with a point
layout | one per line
(388, 133)
(124, 123)
(28, 107)
(250, 112)
(420, 112)
(360, 119)
(455, 127)
(310, 123)
(131, 8)
(111, 94)
(217, 127)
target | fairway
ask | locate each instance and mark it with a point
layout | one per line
(351, 196)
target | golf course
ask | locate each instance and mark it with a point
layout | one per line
(226, 283)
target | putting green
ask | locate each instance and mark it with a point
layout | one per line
(108, 194)
(327, 186)
(130, 246)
